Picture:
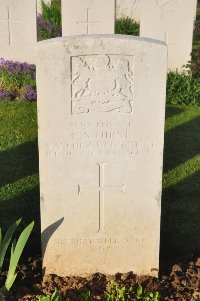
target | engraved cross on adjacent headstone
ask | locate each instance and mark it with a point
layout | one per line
(88, 23)
(101, 188)
(9, 21)
(168, 5)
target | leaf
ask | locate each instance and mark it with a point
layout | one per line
(6, 241)
(139, 291)
(16, 254)
(10, 282)
(56, 296)
(131, 289)
(13, 246)
(157, 296)
(43, 298)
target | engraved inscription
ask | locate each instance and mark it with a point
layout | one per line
(102, 244)
(101, 189)
(9, 21)
(102, 84)
(104, 139)
(100, 138)
(168, 5)
(88, 23)
(103, 149)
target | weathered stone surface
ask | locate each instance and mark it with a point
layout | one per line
(128, 8)
(171, 21)
(101, 104)
(18, 32)
(88, 17)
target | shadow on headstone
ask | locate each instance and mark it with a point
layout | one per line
(47, 234)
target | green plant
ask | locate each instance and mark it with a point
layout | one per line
(194, 65)
(196, 37)
(5, 242)
(118, 293)
(183, 89)
(16, 251)
(56, 3)
(86, 295)
(127, 26)
(49, 22)
(17, 81)
(55, 297)
(149, 296)
(51, 13)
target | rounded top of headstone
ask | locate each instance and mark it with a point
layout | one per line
(107, 37)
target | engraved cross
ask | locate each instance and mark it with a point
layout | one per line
(101, 188)
(88, 22)
(168, 4)
(9, 21)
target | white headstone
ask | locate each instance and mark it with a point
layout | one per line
(101, 151)
(18, 31)
(128, 8)
(88, 17)
(39, 6)
(171, 21)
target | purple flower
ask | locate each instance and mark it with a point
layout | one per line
(14, 67)
(5, 95)
(29, 86)
(19, 80)
(28, 93)
(32, 95)
(47, 29)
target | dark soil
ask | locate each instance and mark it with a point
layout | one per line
(181, 282)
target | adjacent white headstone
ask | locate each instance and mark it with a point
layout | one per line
(128, 8)
(18, 32)
(101, 151)
(88, 17)
(171, 21)
(39, 6)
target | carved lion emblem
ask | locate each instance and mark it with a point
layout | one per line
(168, 5)
(102, 83)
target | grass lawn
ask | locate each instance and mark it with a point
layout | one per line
(19, 180)
(181, 181)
